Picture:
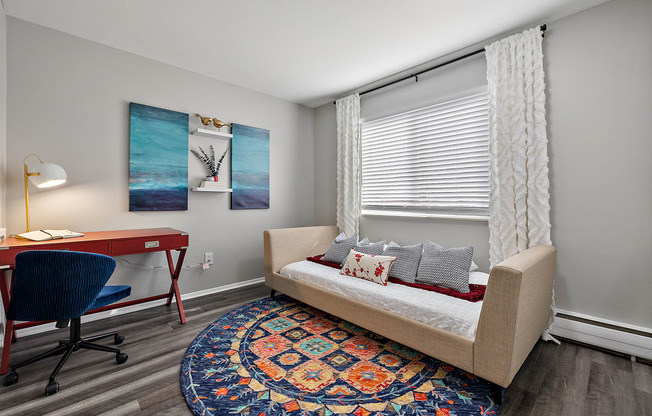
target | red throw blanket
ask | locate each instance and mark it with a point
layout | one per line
(476, 291)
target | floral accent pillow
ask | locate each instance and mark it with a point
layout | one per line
(368, 267)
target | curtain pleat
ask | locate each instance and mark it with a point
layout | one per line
(519, 207)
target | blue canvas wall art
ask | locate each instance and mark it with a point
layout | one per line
(158, 159)
(249, 167)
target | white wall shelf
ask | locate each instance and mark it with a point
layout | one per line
(199, 189)
(211, 133)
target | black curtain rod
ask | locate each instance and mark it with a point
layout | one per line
(416, 75)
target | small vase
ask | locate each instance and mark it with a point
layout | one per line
(211, 179)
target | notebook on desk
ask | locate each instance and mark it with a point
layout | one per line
(43, 235)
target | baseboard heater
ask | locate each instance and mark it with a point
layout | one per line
(615, 336)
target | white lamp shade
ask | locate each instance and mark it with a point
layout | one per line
(50, 174)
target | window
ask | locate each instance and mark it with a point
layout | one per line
(433, 160)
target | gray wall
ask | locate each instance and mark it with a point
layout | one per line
(3, 128)
(69, 102)
(599, 71)
(325, 166)
(3, 110)
(598, 66)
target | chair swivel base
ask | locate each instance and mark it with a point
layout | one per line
(67, 347)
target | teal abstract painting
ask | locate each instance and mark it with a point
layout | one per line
(249, 167)
(158, 159)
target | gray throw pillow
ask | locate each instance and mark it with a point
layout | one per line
(340, 248)
(407, 261)
(445, 267)
(375, 249)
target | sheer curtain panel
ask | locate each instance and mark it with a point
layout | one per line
(519, 208)
(348, 163)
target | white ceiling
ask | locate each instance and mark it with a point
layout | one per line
(305, 51)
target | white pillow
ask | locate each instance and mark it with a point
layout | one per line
(479, 278)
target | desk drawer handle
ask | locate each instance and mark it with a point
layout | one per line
(151, 244)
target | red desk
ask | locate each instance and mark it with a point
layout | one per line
(111, 243)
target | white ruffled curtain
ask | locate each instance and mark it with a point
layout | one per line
(519, 209)
(348, 163)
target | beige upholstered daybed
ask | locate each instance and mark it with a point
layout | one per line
(514, 313)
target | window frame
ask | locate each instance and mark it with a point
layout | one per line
(432, 212)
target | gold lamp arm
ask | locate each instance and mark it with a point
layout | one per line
(27, 174)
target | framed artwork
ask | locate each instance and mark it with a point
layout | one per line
(158, 159)
(249, 167)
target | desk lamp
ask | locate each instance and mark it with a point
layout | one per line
(45, 175)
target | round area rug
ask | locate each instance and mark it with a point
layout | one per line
(281, 357)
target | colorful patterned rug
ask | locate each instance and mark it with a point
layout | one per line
(281, 357)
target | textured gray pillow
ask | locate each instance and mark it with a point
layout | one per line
(340, 248)
(407, 261)
(366, 247)
(445, 267)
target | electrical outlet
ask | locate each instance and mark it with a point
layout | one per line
(208, 258)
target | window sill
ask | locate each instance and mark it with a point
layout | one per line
(408, 214)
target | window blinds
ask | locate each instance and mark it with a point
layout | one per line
(434, 159)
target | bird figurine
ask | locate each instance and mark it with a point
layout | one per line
(206, 121)
(219, 124)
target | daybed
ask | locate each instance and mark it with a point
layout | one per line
(514, 313)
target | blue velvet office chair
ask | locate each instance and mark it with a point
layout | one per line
(59, 286)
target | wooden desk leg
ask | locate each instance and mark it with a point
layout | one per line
(9, 329)
(6, 349)
(174, 287)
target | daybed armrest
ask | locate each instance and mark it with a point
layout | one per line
(515, 312)
(287, 245)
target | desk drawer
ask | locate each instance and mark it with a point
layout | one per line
(7, 257)
(148, 244)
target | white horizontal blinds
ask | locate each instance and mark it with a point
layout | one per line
(433, 159)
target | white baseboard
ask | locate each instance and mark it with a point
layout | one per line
(134, 308)
(616, 336)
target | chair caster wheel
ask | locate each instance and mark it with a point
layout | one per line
(51, 388)
(117, 339)
(11, 378)
(121, 358)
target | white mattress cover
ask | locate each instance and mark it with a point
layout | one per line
(452, 314)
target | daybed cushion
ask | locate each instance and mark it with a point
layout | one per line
(340, 248)
(366, 247)
(476, 292)
(445, 267)
(455, 315)
(407, 261)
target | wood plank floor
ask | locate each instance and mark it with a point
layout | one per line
(555, 380)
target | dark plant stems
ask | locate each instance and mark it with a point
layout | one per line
(209, 161)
